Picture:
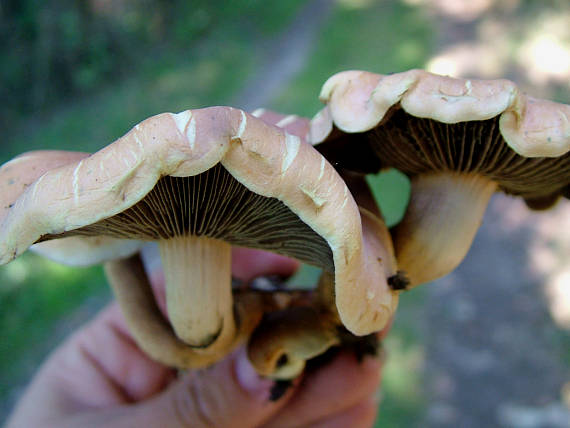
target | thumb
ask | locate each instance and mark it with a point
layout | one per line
(230, 393)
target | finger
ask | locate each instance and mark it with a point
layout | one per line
(113, 366)
(107, 344)
(248, 263)
(338, 386)
(361, 415)
(227, 394)
(98, 367)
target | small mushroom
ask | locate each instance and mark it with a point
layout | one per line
(459, 141)
(287, 337)
(310, 324)
(198, 182)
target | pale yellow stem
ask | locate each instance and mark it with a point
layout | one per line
(441, 220)
(197, 273)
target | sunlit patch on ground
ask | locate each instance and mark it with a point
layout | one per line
(545, 54)
(464, 10)
(558, 294)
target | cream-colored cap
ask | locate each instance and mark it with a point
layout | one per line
(357, 101)
(459, 140)
(83, 190)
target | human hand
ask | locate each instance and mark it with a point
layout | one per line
(99, 377)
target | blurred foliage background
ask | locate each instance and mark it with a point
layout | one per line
(77, 74)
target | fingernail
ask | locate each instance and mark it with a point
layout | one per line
(248, 378)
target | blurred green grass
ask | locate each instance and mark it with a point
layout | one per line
(35, 295)
(390, 37)
(172, 82)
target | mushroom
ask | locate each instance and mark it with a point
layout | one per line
(287, 337)
(309, 324)
(459, 140)
(197, 182)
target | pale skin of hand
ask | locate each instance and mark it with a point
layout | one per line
(99, 377)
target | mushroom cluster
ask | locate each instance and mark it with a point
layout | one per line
(200, 181)
(197, 182)
(458, 140)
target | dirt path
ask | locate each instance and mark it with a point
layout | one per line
(284, 56)
(494, 355)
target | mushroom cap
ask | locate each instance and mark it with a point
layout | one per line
(376, 237)
(24, 170)
(400, 117)
(82, 190)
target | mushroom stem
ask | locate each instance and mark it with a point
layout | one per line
(197, 273)
(152, 332)
(443, 215)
